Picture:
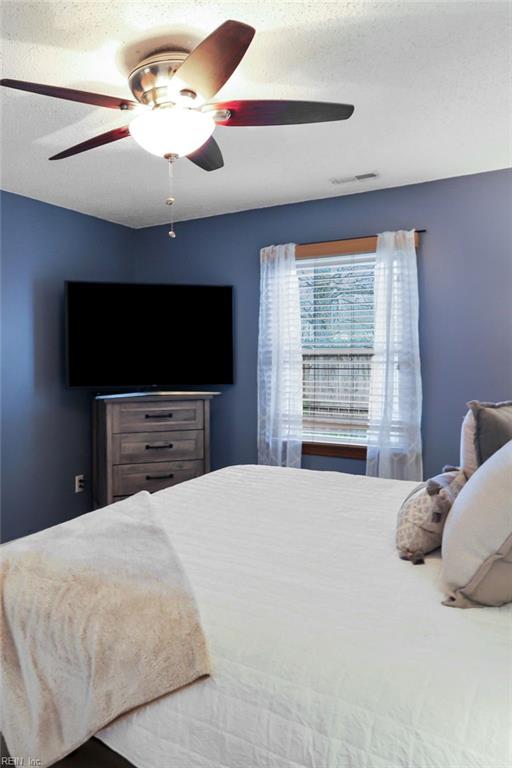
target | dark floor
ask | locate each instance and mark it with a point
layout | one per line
(93, 754)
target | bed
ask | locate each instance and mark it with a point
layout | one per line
(328, 651)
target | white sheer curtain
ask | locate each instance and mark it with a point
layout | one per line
(394, 433)
(279, 359)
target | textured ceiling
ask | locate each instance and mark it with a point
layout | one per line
(430, 82)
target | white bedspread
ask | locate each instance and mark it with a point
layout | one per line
(328, 651)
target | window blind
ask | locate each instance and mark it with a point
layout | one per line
(336, 301)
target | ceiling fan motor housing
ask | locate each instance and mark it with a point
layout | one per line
(151, 81)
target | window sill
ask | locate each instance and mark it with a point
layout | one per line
(334, 449)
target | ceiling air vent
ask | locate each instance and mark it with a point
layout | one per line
(357, 177)
(364, 176)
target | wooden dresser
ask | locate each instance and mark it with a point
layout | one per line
(148, 442)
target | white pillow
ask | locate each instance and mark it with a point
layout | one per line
(477, 536)
(468, 457)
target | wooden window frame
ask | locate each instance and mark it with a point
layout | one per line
(354, 245)
(339, 247)
(341, 451)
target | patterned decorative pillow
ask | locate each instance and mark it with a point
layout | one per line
(422, 516)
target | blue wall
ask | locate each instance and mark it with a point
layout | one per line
(465, 274)
(465, 279)
(46, 434)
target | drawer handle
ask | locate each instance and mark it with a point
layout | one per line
(158, 446)
(158, 415)
(159, 477)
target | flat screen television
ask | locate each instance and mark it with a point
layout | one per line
(127, 335)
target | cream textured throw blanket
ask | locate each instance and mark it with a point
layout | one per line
(97, 618)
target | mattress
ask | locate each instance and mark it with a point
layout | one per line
(328, 650)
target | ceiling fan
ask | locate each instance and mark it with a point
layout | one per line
(172, 90)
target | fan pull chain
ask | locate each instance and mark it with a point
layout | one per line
(171, 199)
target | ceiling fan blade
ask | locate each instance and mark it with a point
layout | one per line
(98, 141)
(70, 94)
(279, 112)
(208, 157)
(215, 59)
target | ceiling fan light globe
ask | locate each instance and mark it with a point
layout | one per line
(172, 130)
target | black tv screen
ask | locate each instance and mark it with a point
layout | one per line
(138, 335)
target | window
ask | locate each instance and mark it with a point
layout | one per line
(336, 297)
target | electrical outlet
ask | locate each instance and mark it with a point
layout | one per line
(79, 483)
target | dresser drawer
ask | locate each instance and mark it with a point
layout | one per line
(148, 447)
(131, 478)
(155, 416)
